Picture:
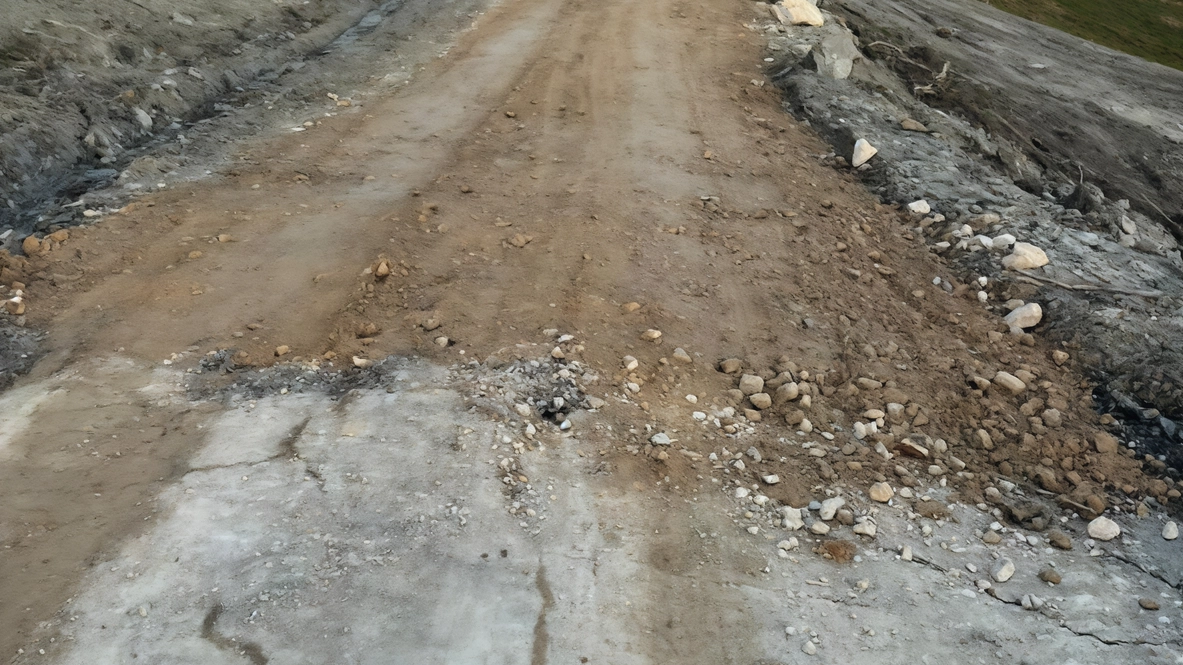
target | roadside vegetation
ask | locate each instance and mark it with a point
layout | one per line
(1150, 29)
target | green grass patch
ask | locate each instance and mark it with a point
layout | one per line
(1150, 29)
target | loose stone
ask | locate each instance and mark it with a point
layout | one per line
(1030, 602)
(1027, 316)
(793, 520)
(1025, 256)
(881, 492)
(731, 366)
(863, 152)
(868, 384)
(1105, 442)
(749, 384)
(920, 207)
(830, 507)
(1060, 540)
(787, 392)
(1010, 382)
(1170, 531)
(797, 12)
(1104, 528)
(760, 400)
(1002, 570)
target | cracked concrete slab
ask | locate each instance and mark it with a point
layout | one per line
(406, 545)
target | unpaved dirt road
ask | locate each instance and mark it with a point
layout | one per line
(560, 161)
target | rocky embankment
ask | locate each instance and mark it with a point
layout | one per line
(81, 85)
(978, 132)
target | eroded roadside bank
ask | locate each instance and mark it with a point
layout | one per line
(995, 138)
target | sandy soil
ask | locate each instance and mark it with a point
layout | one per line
(559, 161)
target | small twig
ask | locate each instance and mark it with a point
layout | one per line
(919, 559)
(898, 49)
(1164, 215)
(79, 28)
(901, 56)
(1035, 279)
(1174, 227)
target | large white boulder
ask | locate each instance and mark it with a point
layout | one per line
(863, 152)
(835, 55)
(1027, 316)
(1025, 256)
(797, 12)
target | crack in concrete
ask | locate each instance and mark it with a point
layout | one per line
(251, 650)
(287, 450)
(1121, 642)
(1102, 640)
(1178, 586)
(287, 445)
(215, 467)
(1062, 624)
(538, 652)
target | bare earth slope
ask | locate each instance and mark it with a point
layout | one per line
(82, 83)
(1070, 105)
(1018, 126)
